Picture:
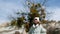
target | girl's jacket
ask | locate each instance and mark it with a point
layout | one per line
(38, 29)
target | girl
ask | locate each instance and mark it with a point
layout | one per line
(37, 28)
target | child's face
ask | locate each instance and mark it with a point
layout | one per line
(35, 21)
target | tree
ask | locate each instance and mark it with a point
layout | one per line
(18, 21)
(36, 10)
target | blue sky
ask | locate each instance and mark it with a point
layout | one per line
(8, 7)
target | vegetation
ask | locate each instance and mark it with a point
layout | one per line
(36, 10)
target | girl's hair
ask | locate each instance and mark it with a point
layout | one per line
(39, 22)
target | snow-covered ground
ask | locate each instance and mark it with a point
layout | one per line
(9, 30)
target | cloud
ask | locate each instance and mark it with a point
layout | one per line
(7, 8)
(56, 13)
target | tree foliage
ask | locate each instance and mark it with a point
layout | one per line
(36, 10)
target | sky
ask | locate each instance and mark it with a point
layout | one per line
(8, 7)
